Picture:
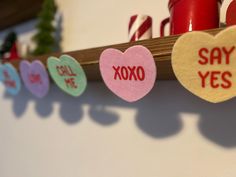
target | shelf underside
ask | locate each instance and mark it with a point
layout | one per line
(13, 12)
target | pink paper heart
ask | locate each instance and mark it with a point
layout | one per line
(130, 75)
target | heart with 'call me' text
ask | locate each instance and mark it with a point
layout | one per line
(67, 74)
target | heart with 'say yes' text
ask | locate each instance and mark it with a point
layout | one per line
(67, 74)
(130, 75)
(10, 78)
(206, 65)
(35, 77)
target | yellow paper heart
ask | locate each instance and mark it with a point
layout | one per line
(206, 65)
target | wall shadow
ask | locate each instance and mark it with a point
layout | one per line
(158, 114)
(169, 99)
(19, 105)
(70, 111)
(99, 99)
(160, 118)
(218, 123)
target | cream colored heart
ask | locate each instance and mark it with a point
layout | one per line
(206, 65)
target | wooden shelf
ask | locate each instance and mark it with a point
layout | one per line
(161, 49)
(13, 12)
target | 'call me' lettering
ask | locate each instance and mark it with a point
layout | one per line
(67, 71)
(70, 82)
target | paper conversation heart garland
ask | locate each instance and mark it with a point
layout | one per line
(10, 78)
(206, 65)
(67, 74)
(130, 75)
(35, 78)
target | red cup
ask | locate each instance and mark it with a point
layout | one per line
(231, 14)
(192, 15)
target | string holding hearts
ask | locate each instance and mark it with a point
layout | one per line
(206, 65)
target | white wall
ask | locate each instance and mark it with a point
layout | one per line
(167, 134)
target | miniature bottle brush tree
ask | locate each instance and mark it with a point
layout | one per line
(45, 42)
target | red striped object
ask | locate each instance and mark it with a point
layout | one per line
(140, 27)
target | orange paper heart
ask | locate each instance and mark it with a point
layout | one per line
(206, 65)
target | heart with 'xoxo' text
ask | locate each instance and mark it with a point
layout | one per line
(10, 78)
(35, 77)
(67, 74)
(206, 65)
(130, 75)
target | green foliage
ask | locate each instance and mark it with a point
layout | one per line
(44, 38)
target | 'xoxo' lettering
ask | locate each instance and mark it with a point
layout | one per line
(129, 73)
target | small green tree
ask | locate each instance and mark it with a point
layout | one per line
(44, 39)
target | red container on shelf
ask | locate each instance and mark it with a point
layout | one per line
(191, 15)
(231, 14)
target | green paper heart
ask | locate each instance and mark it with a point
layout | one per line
(67, 74)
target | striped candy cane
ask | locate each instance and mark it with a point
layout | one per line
(140, 27)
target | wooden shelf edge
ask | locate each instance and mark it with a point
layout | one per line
(161, 49)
